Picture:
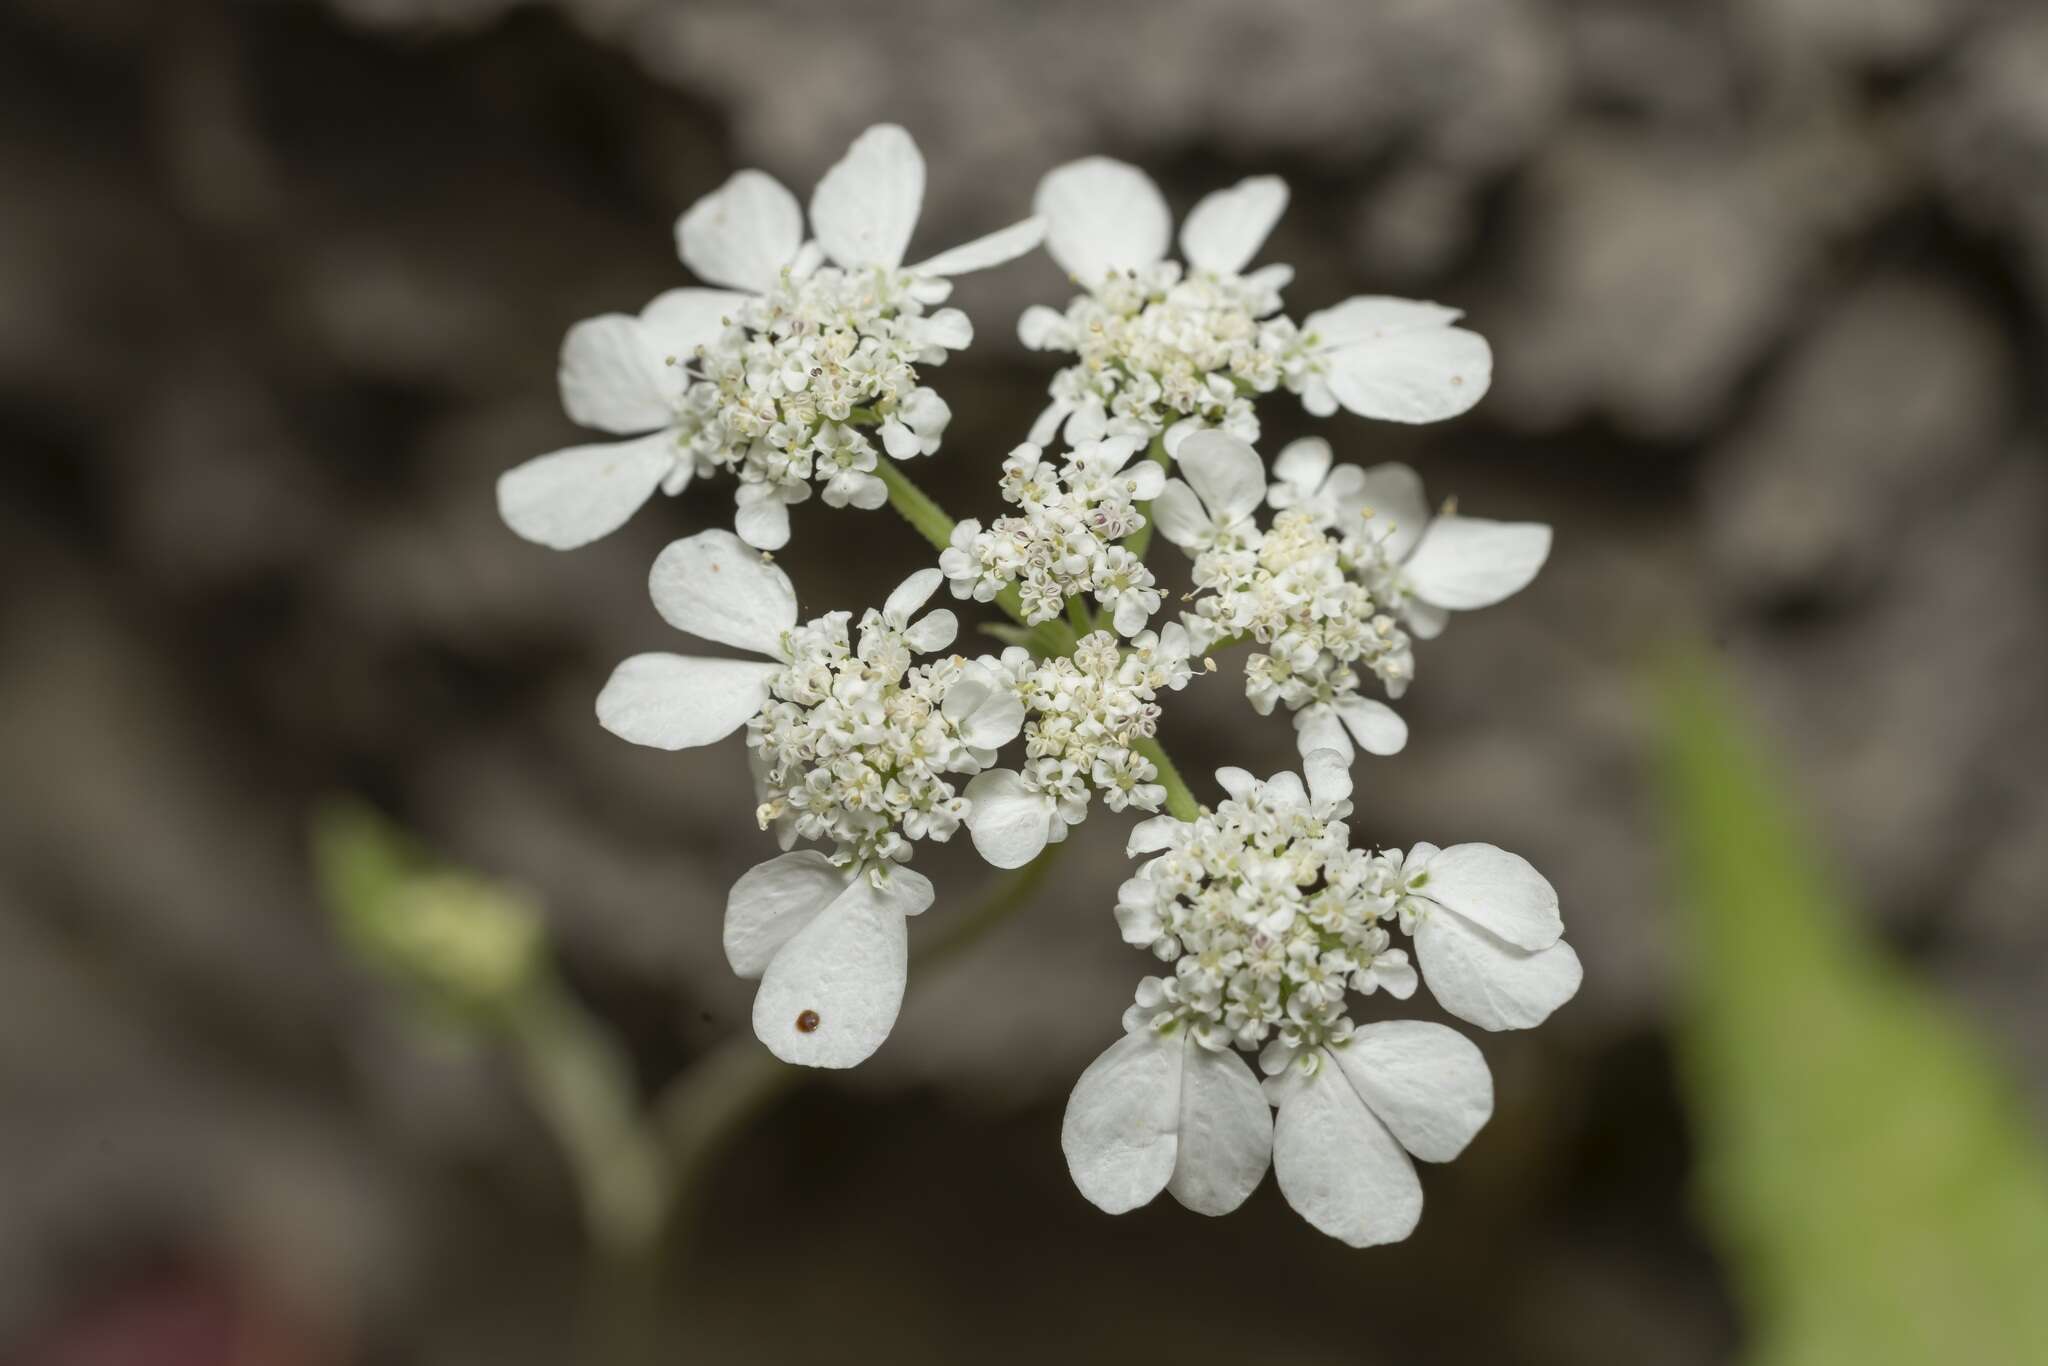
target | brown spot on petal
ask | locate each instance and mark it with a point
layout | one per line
(807, 1021)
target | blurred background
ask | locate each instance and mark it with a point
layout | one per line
(281, 286)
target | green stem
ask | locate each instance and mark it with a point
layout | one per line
(927, 518)
(1077, 615)
(1180, 802)
(1140, 541)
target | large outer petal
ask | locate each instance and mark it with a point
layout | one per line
(678, 702)
(1178, 515)
(1101, 216)
(717, 588)
(846, 968)
(1004, 244)
(772, 901)
(1496, 890)
(1401, 360)
(612, 374)
(1484, 979)
(1427, 1082)
(1339, 1166)
(1228, 227)
(572, 497)
(1467, 562)
(1120, 1133)
(1226, 473)
(743, 233)
(866, 207)
(1226, 1131)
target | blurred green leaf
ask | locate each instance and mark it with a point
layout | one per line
(1871, 1175)
(464, 945)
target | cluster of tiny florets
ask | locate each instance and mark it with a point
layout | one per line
(1156, 347)
(1086, 713)
(855, 747)
(1269, 917)
(1296, 590)
(776, 399)
(1063, 541)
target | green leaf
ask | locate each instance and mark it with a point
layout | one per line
(1868, 1170)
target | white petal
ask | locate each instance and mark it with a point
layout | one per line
(774, 900)
(676, 702)
(1496, 890)
(842, 975)
(1329, 776)
(913, 593)
(1102, 216)
(681, 320)
(1374, 317)
(948, 328)
(1150, 836)
(1036, 328)
(1339, 1167)
(1226, 1130)
(761, 522)
(574, 496)
(1318, 727)
(1427, 1083)
(1303, 463)
(1426, 620)
(1377, 727)
(1005, 244)
(906, 889)
(1178, 515)
(866, 207)
(933, 632)
(1467, 562)
(1119, 1132)
(1144, 480)
(611, 376)
(1227, 229)
(1226, 472)
(743, 233)
(1488, 981)
(1412, 376)
(1237, 782)
(717, 588)
(1010, 821)
(1400, 512)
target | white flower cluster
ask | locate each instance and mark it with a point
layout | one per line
(1270, 919)
(1088, 714)
(1162, 351)
(767, 376)
(866, 737)
(1064, 542)
(855, 743)
(1350, 567)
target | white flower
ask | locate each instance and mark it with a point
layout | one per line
(1428, 567)
(1487, 934)
(1224, 484)
(1352, 1114)
(1062, 543)
(1086, 714)
(1304, 479)
(758, 376)
(1159, 1111)
(714, 587)
(830, 946)
(1393, 359)
(1157, 347)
